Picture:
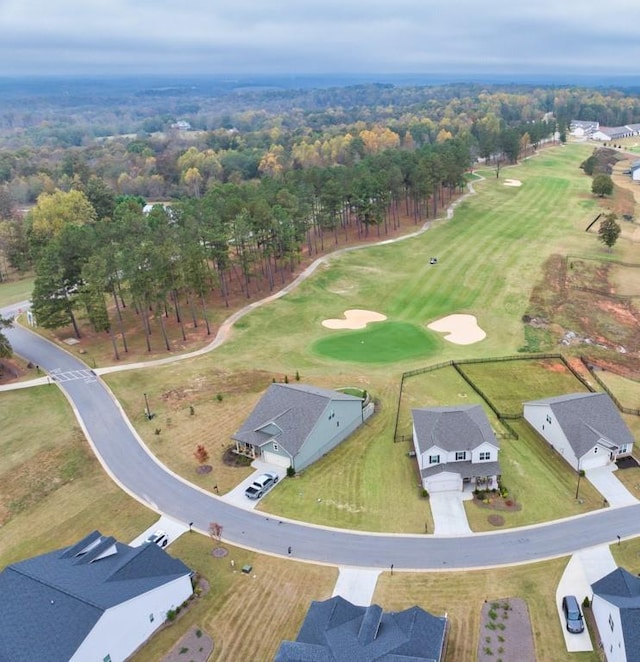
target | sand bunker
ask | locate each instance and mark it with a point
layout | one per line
(512, 182)
(354, 319)
(460, 329)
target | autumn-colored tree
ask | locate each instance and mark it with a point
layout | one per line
(215, 531)
(201, 454)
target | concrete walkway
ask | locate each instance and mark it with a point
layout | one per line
(607, 483)
(448, 512)
(584, 568)
(356, 585)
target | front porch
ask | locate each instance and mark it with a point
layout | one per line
(248, 450)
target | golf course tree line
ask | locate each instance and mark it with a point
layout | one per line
(96, 254)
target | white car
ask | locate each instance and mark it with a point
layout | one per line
(159, 538)
(261, 485)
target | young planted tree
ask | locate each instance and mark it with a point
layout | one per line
(609, 230)
(201, 454)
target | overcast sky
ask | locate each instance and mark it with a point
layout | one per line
(44, 37)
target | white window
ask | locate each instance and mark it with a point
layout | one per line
(434, 459)
(461, 455)
(275, 447)
(485, 455)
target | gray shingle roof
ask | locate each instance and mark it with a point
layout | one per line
(464, 469)
(622, 589)
(337, 631)
(585, 418)
(460, 428)
(294, 409)
(50, 603)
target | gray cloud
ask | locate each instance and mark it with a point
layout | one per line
(298, 36)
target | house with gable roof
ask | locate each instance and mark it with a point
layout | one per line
(337, 631)
(455, 447)
(96, 600)
(616, 611)
(293, 425)
(585, 428)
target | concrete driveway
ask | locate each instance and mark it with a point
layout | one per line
(607, 483)
(449, 514)
(236, 496)
(357, 585)
(584, 568)
(170, 526)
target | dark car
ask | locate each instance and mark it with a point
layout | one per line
(572, 614)
(261, 485)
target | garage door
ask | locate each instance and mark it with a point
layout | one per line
(275, 459)
(595, 461)
(448, 484)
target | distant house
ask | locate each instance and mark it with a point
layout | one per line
(585, 428)
(616, 611)
(634, 171)
(607, 133)
(96, 600)
(296, 424)
(455, 447)
(337, 631)
(181, 125)
(582, 128)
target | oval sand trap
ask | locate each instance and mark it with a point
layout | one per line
(512, 182)
(460, 329)
(354, 319)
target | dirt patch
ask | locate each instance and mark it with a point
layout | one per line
(505, 632)
(195, 646)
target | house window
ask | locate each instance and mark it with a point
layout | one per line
(485, 455)
(548, 419)
(106, 658)
(150, 618)
(611, 622)
(461, 455)
(595, 450)
(275, 447)
(434, 459)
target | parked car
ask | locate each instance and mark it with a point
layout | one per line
(572, 614)
(159, 538)
(261, 485)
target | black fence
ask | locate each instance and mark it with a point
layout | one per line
(503, 417)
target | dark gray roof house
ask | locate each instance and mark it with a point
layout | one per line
(586, 428)
(295, 424)
(455, 446)
(337, 631)
(75, 603)
(616, 609)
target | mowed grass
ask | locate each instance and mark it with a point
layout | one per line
(19, 288)
(461, 596)
(382, 342)
(246, 615)
(54, 491)
(508, 384)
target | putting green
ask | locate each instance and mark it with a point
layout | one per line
(382, 342)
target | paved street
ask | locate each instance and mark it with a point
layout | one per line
(128, 462)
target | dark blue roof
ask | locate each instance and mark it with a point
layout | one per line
(50, 603)
(622, 589)
(337, 631)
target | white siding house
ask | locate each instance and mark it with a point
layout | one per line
(585, 428)
(96, 600)
(616, 611)
(455, 447)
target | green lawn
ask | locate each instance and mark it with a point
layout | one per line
(17, 289)
(382, 342)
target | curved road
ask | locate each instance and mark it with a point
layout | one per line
(125, 458)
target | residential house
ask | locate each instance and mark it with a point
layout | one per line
(616, 611)
(585, 428)
(583, 128)
(293, 425)
(455, 448)
(337, 631)
(96, 600)
(634, 171)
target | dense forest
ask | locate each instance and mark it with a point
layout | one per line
(247, 180)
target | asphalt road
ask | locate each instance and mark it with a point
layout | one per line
(124, 457)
